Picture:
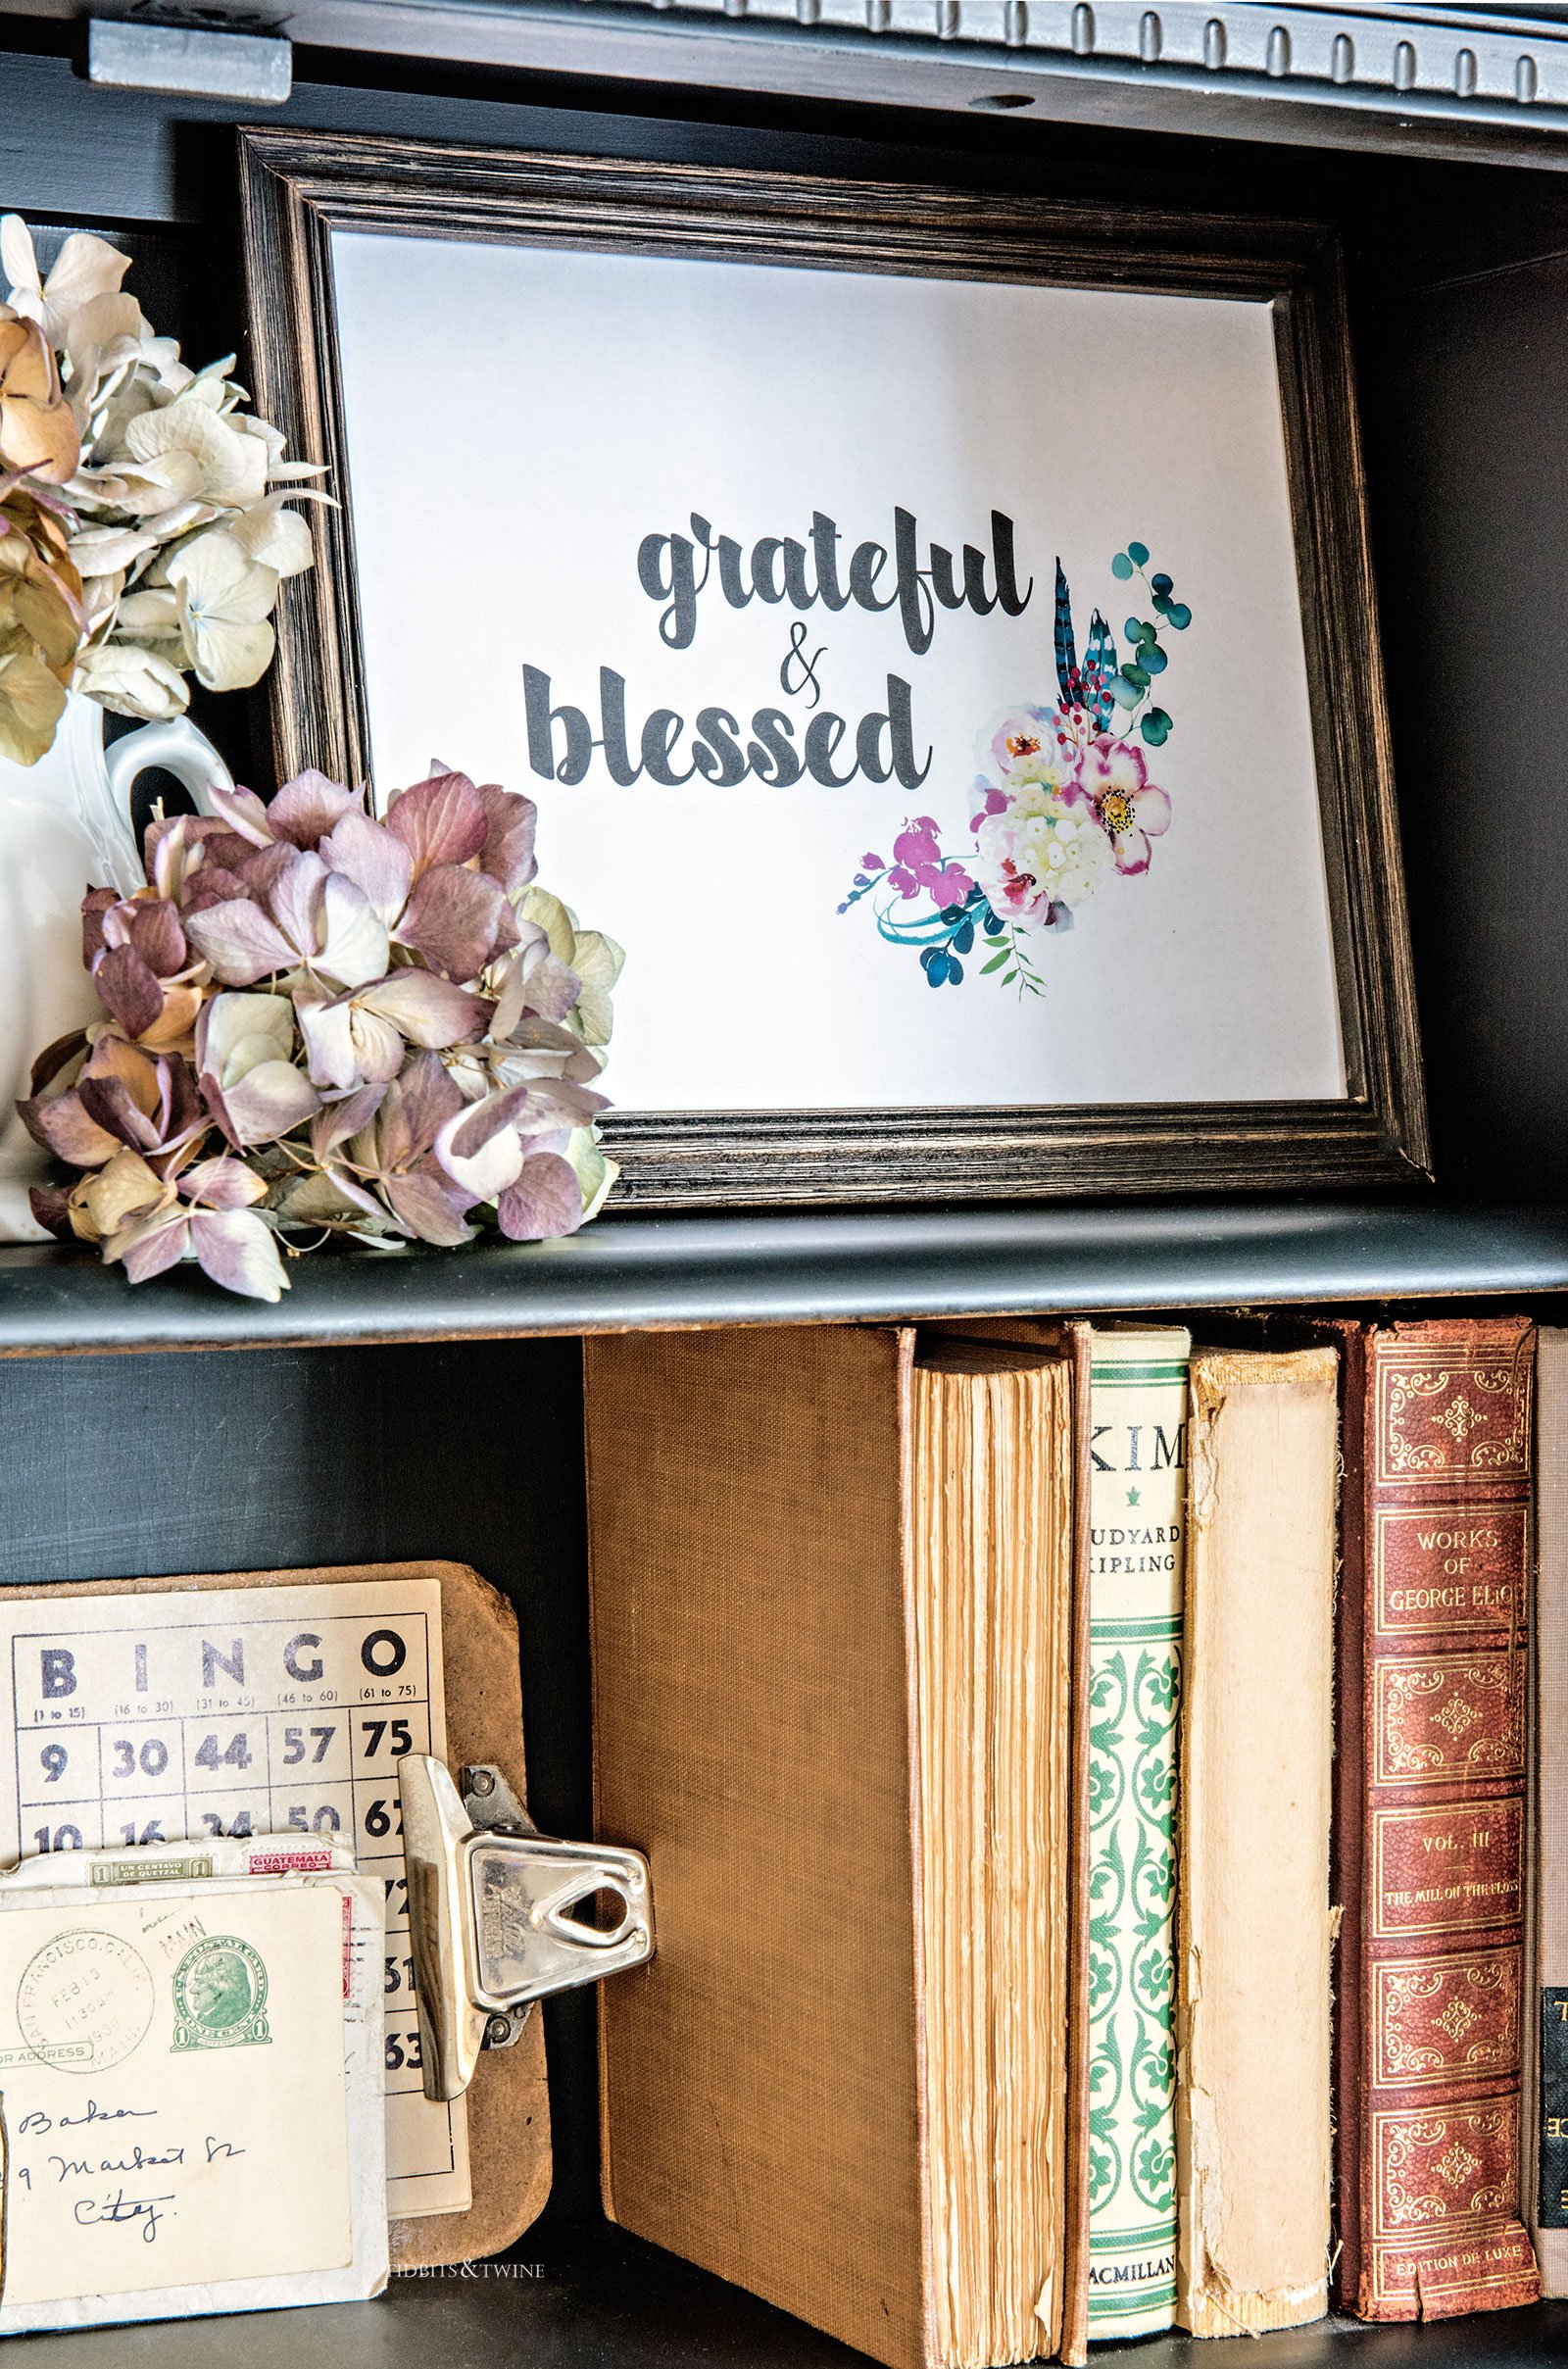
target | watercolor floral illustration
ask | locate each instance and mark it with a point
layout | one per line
(1065, 803)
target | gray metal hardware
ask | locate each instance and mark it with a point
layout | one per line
(146, 55)
(1193, 63)
(490, 1902)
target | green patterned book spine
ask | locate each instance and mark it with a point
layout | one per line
(1138, 1518)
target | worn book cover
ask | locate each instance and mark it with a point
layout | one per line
(836, 1615)
(1430, 1817)
(1253, 2005)
(1138, 1516)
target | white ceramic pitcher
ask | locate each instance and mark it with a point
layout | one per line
(64, 827)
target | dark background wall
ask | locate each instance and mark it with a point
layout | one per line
(1467, 402)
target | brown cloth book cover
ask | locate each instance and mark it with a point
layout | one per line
(1430, 1812)
(507, 2104)
(766, 1563)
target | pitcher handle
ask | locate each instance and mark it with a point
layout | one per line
(180, 749)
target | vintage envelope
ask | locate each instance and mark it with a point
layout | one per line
(178, 1864)
(191, 2091)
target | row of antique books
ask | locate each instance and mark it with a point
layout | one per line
(1087, 1778)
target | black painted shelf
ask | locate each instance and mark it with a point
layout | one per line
(599, 2299)
(801, 1267)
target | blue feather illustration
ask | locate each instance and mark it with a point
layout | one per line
(1066, 648)
(1100, 662)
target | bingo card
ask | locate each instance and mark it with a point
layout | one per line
(206, 1713)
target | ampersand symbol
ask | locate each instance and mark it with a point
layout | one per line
(795, 657)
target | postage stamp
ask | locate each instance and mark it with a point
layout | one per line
(221, 1996)
(84, 2000)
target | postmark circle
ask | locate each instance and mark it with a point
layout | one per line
(84, 2000)
(221, 1996)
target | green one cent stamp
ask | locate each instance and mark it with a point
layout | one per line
(221, 1996)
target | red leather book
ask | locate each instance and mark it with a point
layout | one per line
(1430, 1817)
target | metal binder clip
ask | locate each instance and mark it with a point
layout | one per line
(489, 1914)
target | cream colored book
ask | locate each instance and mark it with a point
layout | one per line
(1252, 2008)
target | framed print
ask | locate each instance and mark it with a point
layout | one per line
(936, 631)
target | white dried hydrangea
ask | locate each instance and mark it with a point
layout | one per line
(181, 534)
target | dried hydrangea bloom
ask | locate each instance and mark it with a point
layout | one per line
(85, 269)
(318, 1023)
(41, 620)
(176, 496)
(37, 428)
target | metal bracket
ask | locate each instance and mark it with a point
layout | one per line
(194, 60)
(490, 1905)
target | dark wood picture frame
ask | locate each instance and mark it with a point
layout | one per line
(300, 188)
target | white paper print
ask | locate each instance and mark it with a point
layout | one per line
(909, 672)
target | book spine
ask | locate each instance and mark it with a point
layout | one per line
(1074, 2349)
(1137, 1514)
(1547, 2030)
(1432, 1849)
(1252, 2011)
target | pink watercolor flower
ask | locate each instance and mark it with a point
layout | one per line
(919, 863)
(1016, 895)
(918, 842)
(1130, 809)
(1021, 734)
(991, 801)
(1042, 857)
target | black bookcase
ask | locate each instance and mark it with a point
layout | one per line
(431, 1405)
